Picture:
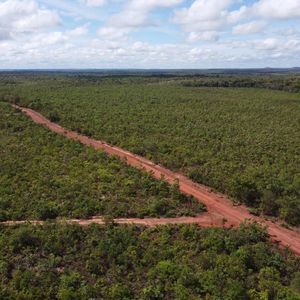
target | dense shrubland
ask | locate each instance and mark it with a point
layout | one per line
(241, 141)
(127, 262)
(290, 83)
(44, 176)
(244, 142)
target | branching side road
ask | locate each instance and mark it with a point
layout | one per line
(204, 220)
(221, 211)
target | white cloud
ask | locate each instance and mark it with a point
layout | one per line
(275, 45)
(268, 10)
(47, 39)
(206, 19)
(237, 15)
(17, 16)
(203, 15)
(134, 15)
(40, 19)
(63, 52)
(79, 31)
(276, 9)
(77, 9)
(98, 53)
(204, 36)
(29, 36)
(267, 44)
(94, 3)
(249, 28)
(113, 33)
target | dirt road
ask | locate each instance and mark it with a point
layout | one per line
(204, 220)
(221, 210)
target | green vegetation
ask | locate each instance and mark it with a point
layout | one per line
(127, 262)
(44, 176)
(290, 83)
(244, 142)
(241, 141)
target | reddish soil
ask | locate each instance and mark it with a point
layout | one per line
(220, 207)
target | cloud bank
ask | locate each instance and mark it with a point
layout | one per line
(149, 34)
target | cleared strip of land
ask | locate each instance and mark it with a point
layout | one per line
(203, 220)
(218, 205)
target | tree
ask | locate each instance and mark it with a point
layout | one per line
(269, 281)
(268, 203)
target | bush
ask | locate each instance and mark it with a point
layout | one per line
(54, 117)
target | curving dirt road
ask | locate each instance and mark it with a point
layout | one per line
(221, 210)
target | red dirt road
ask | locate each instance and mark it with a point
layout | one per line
(219, 206)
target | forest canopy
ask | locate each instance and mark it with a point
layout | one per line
(240, 141)
(127, 262)
(45, 176)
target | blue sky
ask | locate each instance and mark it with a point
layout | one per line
(149, 33)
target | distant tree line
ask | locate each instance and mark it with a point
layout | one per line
(285, 83)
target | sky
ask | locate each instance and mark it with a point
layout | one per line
(175, 34)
